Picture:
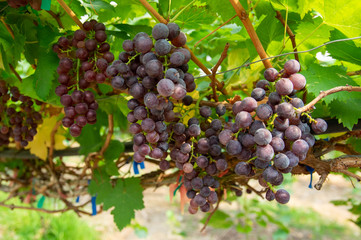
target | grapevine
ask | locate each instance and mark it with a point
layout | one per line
(102, 81)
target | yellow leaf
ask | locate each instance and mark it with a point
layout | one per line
(39, 146)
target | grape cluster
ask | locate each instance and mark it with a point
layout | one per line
(155, 72)
(256, 139)
(19, 119)
(84, 59)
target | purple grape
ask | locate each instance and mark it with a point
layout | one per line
(265, 153)
(262, 137)
(278, 144)
(264, 111)
(282, 196)
(284, 86)
(285, 110)
(165, 87)
(233, 147)
(320, 126)
(148, 125)
(242, 168)
(243, 119)
(293, 133)
(174, 30)
(271, 74)
(292, 66)
(274, 98)
(300, 147)
(143, 44)
(225, 136)
(162, 47)
(258, 94)
(221, 164)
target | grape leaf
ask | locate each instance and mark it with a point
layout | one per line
(347, 112)
(39, 146)
(195, 16)
(126, 197)
(44, 76)
(115, 105)
(90, 138)
(355, 143)
(324, 78)
(344, 17)
(345, 51)
(269, 30)
(112, 153)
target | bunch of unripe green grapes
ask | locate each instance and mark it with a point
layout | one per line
(84, 59)
(18, 117)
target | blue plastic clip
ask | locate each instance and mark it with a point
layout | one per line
(310, 170)
(77, 199)
(94, 205)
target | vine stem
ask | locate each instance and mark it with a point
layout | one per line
(326, 93)
(289, 32)
(193, 57)
(52, 143)
(70, 13)
(109, 135)
(243, 15)
(214, 71)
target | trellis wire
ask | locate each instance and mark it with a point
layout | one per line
(281, 55)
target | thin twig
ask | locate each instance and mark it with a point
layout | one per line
(211, 214)
(226, 22)
(7, 27)
(56, 17)
(52, 143)
(289, 32)
(348, 173)
(353, 73)
(214, 71)
(326, 93)
(15, 72)
(70, 13)
(109, 135)
(243, 15)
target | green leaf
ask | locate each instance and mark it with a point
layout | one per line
(195, 16)
(90, 139)
(355, 143)
(269, 30)
(132, 30)
(44, 76)
(324, 78)
(112, 153)
(222, 8)
(345, 51)
(339, 202)
(344, 17)
(219, 219)
(126, 197)
(115, 105)
(348, 112)
(97, 5)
